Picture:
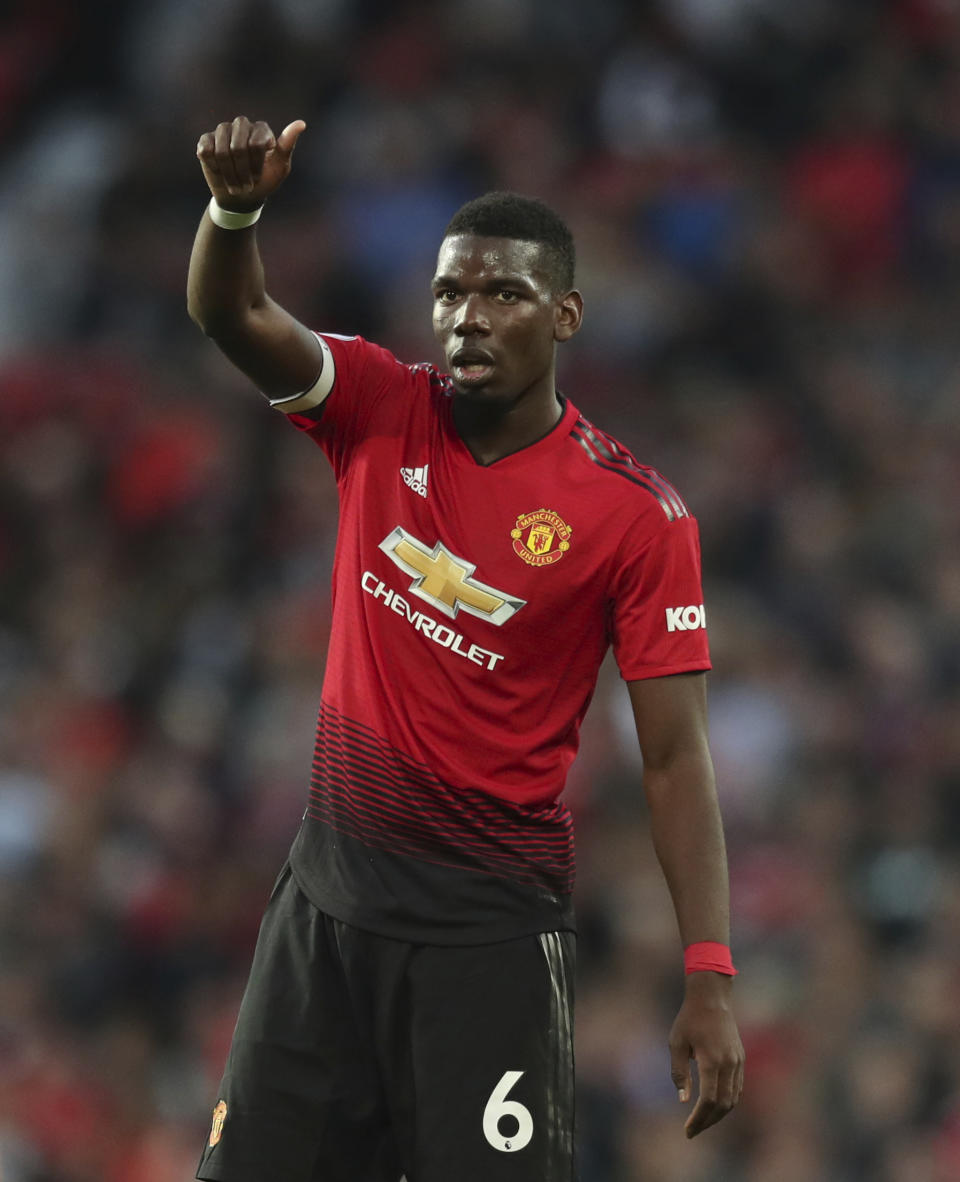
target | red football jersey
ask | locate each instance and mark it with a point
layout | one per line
(472, 607)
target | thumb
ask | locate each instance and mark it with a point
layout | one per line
(287, 140)
(680, 1072)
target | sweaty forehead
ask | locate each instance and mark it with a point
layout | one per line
(474, 256)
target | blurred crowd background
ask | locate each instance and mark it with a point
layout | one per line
(766, 198)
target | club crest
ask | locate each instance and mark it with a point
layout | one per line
(216, 1127)
(541, 537)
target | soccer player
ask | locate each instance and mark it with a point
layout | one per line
(409, 1007)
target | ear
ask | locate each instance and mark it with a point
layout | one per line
(569, 316)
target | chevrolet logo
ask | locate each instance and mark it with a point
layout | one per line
(445, 581)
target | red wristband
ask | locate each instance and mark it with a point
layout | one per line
(708, 957)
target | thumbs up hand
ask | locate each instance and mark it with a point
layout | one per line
(244, 163)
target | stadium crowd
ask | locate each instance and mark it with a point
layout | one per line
(766, 200)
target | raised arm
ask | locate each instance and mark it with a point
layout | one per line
(678, 780)
(244, 163)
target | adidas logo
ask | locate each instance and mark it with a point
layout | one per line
(416, 479)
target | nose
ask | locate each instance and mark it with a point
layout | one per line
(470, 319)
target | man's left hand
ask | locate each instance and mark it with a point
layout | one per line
(705, 1030)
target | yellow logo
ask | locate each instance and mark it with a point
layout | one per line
(541, 537)
(446, 581)
(216, 1128)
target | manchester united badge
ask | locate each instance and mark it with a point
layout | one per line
(541, 537)
(216, 1128)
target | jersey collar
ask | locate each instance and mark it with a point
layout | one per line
(523, 455)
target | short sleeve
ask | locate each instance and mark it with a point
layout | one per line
(658, 619)
(367, 382)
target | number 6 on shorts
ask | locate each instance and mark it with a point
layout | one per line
(498, 1106)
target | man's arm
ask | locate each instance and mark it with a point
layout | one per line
(243, 164)
(678, 781)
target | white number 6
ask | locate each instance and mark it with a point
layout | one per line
(498, 1106)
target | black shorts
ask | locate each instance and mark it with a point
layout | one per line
(358, 1058)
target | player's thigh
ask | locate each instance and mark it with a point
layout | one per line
(493, 1061)
(300, 1097)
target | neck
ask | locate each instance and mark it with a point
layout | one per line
(491, 431)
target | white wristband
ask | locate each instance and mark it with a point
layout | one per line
(229, 219)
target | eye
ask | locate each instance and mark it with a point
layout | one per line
(445, 295)
(506, 296)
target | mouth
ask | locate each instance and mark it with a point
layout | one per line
(470, 367)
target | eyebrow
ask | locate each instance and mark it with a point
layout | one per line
(505, 280)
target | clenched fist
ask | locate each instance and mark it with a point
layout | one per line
(244, 162)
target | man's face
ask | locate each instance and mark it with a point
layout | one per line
(497, 316)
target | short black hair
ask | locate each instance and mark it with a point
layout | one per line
(511, 215)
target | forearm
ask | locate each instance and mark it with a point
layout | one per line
(225, 284)
(688, 838)
(227, 299)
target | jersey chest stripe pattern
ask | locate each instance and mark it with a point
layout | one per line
(343, 765)
(368, 752)
(372, 832)
(606, 453)
(367, 789)
(368, 826)
(339, 787)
